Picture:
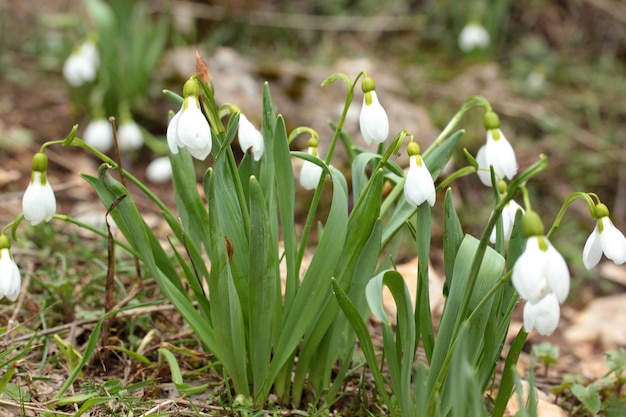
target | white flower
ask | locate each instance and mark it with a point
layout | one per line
(605, 238)
(39, 203)
(10, 278)
(310, 173)
(159, 170)
(508, 219)
(543, 315)
(82, 65)
(540, 270)
(499, 153)
(473, 36)
(190, 129)
(129, 136)
(373, 119)
(419, 185)
(250, 137)
(99, 135)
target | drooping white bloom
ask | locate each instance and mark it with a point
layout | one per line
(373, 120)
(540, 270)
(82, 65)
(38, 202)
(605, 238)
(190, 129)
(419, 185)
(159, 170)
(99, 135)
(500, 154)
(129, 136)
(508, 219)
(310, 173)
(250, 138)
(543, 315)
(473, 36)
(10, 278)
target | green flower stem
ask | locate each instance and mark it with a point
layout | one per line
(585, 196)
(97, 231)
(506, 383)
(392, 196)
(470, 103)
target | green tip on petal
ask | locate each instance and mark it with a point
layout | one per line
(601, 211)
(4, 242)
(368, 84)
(313, 143)
(491, 121)
(502, 186)
(191, 88)
(40, 162)
(532, 224)
(413, 149)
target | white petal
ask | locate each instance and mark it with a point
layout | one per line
(310, 174)
(159, 170)
(592, 252)
(10, 278)
(501, 155)
(612, 241)
(129, 136)
(557, 273)
(473, 36)
(98, 134)
(419, 186)
(194, 131)
(250, 137)
(373, 121)
(172, 132)
(508, 220)
(483, 169)
(529, 272)
(543, 315)
(38, 203)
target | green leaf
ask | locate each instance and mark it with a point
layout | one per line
(452, 238)
(589, 396)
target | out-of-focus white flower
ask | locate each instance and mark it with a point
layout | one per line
(473, 36)
(99, 135)
(508, 219)
(10, 278)
(373, 119)
(543, 315)
(605, 238)
(189, 128)
(419, 185)
(82, 65)
(129, 136)
(159, 170)
(539, 273)
(310, 173)
(250, 138)
(38, 202)
(496, 152)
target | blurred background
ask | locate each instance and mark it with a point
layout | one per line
(554, 70)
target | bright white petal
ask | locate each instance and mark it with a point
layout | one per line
(38, 203)
(612, 241)
(159, 170)
(373, 121)
(557, 273)
(172, 133)
(501, 155)
(419, 186)
(194, 131)
(98, 134)
(483, 171)
(592, 251)
(250, 137)
(529, 272)
(129, 136)
(473, 36)
(10, 278)
(543, 315)
(310, 175)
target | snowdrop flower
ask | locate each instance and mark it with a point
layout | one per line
(159, 170)
(473, 36)
(543, 315)
(10, 278)
(129, 136)
(250, 138)
(540, 272)
(39, 203)
(497, 152)
(98, 134)
(373, 119)
(419, 185)
(508, 215)
(310, 173)
(82, 65)
(189, 128)
(605, 238)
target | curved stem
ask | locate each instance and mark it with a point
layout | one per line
(579, 194)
